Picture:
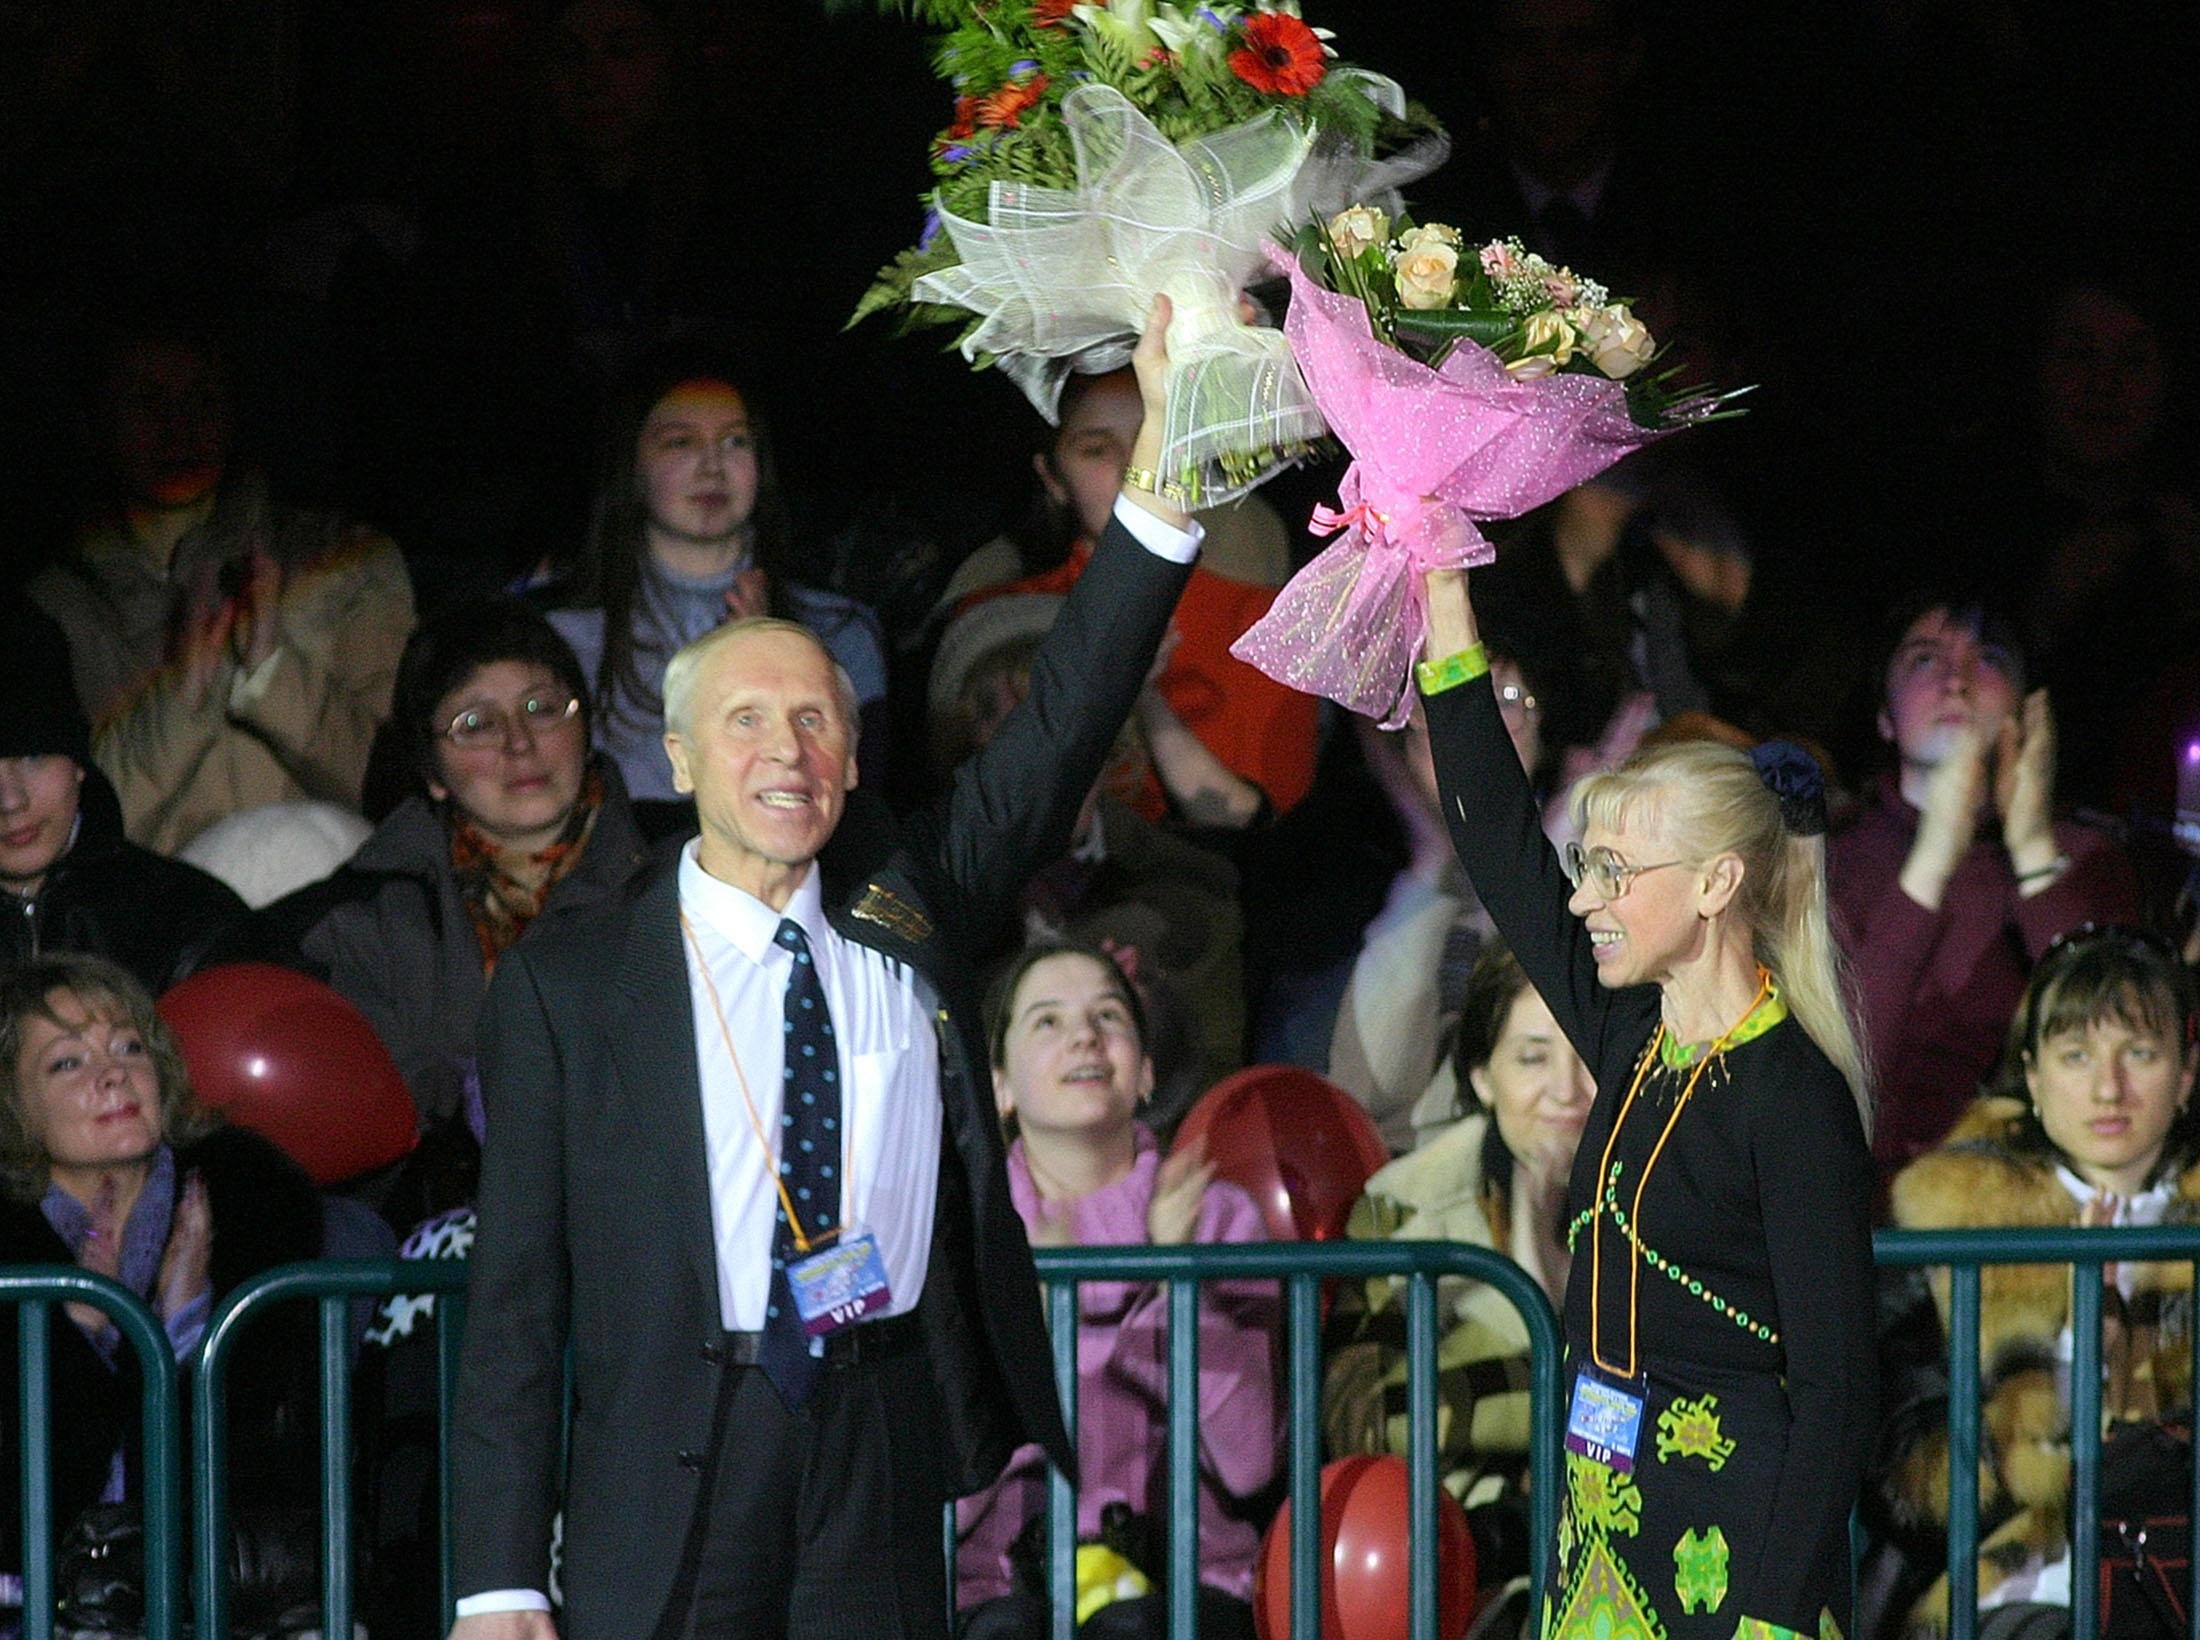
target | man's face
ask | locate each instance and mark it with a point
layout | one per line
(38, 799)
(769, 752)
(1941, 681)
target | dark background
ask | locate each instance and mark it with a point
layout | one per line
(1868, 200)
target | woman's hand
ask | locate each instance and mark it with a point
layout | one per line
(1179, 1189)
(186, 1263)
(2024, 787)
(1538, 1204)
(1948, 822)
(749, 596)
(1451, 626)
(256, 627)
(101, 1254)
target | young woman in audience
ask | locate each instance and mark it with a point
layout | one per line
(2089, 1123)
(1720, 1305)
(1495, 1179)
(1229, 744)
(1070, 1072)
(513, 821)
(689, 529)
(108, 1162)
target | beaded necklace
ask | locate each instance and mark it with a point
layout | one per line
(1607, 1177)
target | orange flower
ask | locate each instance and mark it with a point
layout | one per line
(1006, 106)
(965, 122)
(1052, 13)
(1281, 55)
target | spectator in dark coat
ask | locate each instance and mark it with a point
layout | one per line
(513, 822)
(108, 1162)
(71, 880)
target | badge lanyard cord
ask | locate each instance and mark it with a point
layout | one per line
(802, 1242)
(1634, 1233)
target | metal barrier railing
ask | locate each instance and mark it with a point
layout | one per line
(1303, 1267)
(2086, 1250)
(334, 1284)
(34, 1290)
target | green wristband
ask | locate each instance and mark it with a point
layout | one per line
(1453, 670)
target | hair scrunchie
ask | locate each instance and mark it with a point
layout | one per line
(1792, 775)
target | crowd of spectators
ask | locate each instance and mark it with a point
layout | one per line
(382, 434)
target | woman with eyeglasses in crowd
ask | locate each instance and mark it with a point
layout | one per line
(1720, 1378)
(2088, 1122)
(512, 820)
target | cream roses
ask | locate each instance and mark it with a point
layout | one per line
(1618, 343)
(1361, 228)
(1428, 273)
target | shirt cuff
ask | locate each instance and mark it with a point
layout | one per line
(502, 1600)
(1159, 537)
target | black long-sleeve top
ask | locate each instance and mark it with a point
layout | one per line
(1763, 1192)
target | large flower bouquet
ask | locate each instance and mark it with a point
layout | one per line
(1469, 386)
(1102, 153)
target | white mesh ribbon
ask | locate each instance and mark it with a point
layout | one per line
(1063, 276)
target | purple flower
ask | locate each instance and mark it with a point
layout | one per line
(932, 227)
(1027, 65)
(1208, 17)
(956, 152)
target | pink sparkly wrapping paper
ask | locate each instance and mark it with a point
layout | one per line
(1433, 453)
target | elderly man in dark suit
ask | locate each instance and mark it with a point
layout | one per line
(742, 1153)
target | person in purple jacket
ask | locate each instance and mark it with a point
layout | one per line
(1070, 1071)
(1958, 872)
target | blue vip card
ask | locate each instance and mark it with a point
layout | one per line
(1604, 1423)
(841, 1285)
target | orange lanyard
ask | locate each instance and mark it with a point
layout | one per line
(1634, 1221)
(756, 1123)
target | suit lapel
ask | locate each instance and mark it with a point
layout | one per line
(653, 1048)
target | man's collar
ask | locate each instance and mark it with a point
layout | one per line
(739, 916)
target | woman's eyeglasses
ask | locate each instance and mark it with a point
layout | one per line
(481, 727)
(1603, 870)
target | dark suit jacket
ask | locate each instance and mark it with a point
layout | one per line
(595, 1216)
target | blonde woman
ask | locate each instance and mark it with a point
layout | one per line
(1719, 1307)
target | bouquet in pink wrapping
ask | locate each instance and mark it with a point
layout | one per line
(1529, 381)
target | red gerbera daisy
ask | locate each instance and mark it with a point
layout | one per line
(1051, 13)
(1281, 55)
(1006, 106)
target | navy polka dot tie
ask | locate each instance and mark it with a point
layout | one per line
(809, 1166)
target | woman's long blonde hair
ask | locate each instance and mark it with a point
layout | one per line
(1711, 801)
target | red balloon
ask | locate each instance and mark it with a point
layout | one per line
(1297, 1143)
(1366, 1548)
(288, 1058)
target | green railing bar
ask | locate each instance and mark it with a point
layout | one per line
(336, 1601)
(34, 1345)
(1062, 1299)
(2085, 1249)
(330, 1280)
(1421, 1457)
(2074, 1244)
(1963, 1416)
(1184, 1460)
(2085, 1414)
(34, 1289)
(1303, 1332)
(1316, 1261)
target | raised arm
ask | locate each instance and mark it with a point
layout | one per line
(1495, 825)
(1013, 805)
